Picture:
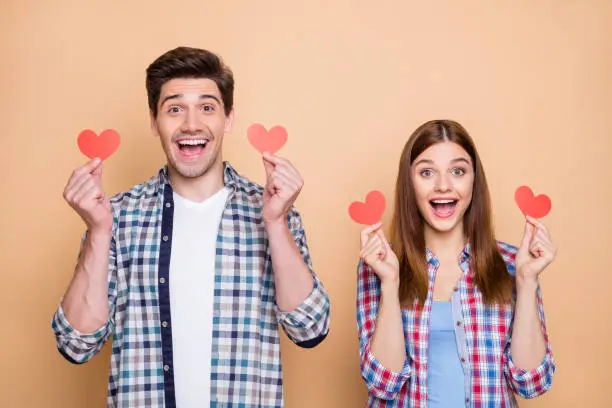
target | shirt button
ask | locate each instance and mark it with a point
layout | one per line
(458, 323)
(456, 289)
(162, 280)
(462, 360)
(166, 367)
(168, 205)
(165, 238)
(164, 324)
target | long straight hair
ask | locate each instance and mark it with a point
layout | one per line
(407, 232)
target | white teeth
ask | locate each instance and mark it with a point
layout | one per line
(192, 142)
(443, 201)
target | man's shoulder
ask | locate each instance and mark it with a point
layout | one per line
(246, 186)
(137, 194)
(248, 194)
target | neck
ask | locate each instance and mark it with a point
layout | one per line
(200, 188)
(446, 244)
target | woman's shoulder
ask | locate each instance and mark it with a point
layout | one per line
(508, 253)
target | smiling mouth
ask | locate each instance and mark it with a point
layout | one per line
(443, 208)
(192, 147)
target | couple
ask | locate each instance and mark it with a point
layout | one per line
(193, 271)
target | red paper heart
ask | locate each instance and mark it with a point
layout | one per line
(267, 141)
(92, 145)
(536, 207)
(371, 211)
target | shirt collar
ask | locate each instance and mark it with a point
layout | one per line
(463, 256)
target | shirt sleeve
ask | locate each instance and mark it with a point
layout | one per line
(527, 383)
(382, 382)
(79, 347)
(308, 324)
(535, 382)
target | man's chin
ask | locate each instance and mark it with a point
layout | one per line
(191, 171)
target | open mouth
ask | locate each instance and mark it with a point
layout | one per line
(190, 148)
(443, 208)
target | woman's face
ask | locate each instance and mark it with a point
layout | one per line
(443, 180)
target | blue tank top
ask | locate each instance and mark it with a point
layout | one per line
(446, 384)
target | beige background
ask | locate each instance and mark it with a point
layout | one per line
(531, 80)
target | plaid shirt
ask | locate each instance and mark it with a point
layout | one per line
(246, 362)
(483, 336)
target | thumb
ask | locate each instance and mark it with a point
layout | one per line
(97, 171)
(527, 236)
(269, 167)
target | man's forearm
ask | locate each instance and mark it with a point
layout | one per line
(293, 280)
(85, 303)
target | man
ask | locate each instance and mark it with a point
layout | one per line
(194, 269)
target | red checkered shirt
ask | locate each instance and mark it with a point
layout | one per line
(484, 334)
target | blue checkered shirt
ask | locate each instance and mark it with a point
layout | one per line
(246, 361)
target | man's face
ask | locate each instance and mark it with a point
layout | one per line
(190, 124)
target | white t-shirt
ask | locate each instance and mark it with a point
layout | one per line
(192, 267)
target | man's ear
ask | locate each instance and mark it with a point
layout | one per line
(154, 129)
(229, 121)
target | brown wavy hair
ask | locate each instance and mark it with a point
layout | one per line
(188, 62)
(407, 232)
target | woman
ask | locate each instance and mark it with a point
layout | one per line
(448, 316)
